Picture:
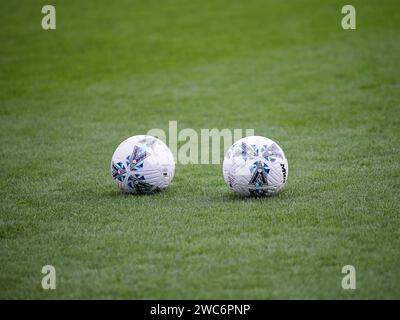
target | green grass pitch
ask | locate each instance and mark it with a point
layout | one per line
(329, 97)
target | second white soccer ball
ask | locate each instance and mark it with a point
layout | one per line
(255, 166)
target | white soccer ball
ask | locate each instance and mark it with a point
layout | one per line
(255, 166)
(142, 164)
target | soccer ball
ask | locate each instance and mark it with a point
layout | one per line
(142, 165)
(255, 166)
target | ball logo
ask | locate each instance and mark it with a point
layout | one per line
(258, 179)
(283, 172)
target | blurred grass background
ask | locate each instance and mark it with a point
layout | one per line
(110, 70)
